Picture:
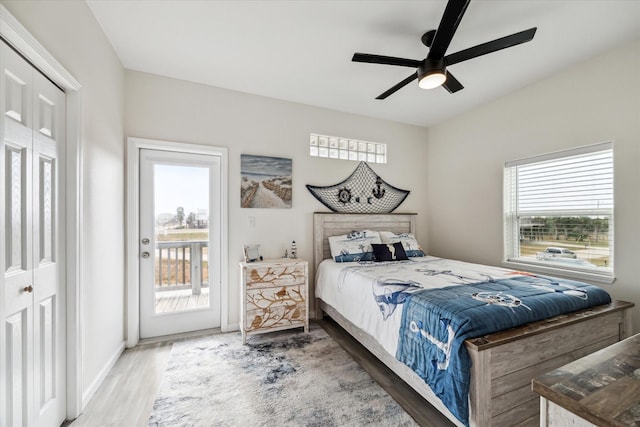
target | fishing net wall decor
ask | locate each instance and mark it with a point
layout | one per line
(362, 192)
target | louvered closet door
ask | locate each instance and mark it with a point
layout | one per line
(32, 356)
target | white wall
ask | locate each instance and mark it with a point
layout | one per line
(596, 101)
(68, 30)
(173, 110)
(460, 171)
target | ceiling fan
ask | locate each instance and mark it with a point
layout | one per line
(432, 71)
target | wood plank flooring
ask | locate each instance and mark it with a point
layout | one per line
(126, 396)
(170, 301)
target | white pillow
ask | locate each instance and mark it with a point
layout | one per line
(355, 246)
(409, 242)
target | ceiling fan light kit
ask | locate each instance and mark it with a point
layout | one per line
(432, 71)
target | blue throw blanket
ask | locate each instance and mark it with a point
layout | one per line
(435, 323)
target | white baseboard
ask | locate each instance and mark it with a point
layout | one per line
(88, 394)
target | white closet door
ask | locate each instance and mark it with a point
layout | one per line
(49, 305)
(32, 356)
(17, 227)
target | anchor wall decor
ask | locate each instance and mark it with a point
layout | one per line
(362, 192)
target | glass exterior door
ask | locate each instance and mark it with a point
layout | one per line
(179, 290)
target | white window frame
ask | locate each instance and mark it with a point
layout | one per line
(339, 148)
(512, 258)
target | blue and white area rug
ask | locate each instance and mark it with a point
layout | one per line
(279, 379)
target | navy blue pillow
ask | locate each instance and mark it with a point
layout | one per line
(389, 252)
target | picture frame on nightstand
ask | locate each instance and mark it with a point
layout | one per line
(252, 253)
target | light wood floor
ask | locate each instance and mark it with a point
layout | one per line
(126, 396)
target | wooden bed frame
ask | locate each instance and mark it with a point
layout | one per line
(504, 363)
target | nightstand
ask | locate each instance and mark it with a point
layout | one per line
(274, 296)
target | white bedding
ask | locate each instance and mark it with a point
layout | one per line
(351, 288)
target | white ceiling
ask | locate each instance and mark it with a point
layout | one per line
(301, 51)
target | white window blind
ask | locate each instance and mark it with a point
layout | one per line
(561, 200)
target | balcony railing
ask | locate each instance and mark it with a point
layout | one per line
(182, 265)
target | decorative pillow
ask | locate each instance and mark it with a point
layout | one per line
(408, 240)
(355, 246)
(388, 252)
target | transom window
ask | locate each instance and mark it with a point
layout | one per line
(334, 147)
(559, 210)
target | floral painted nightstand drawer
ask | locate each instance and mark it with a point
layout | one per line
(274, 296)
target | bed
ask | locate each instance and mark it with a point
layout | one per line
(502, 363)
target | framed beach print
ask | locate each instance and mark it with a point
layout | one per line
(265, 182)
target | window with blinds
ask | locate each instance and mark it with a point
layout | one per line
(559, 210)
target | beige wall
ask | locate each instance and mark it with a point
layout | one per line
(68, 30)
(173, 110)
(596, 101)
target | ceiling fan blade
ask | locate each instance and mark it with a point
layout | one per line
(490, 47)
(452, 85)
(448, 25)
(398, 86)
(388, 60)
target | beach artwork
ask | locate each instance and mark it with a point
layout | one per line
(265, 182)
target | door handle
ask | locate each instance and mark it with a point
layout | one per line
(145, 254)
(28, 289)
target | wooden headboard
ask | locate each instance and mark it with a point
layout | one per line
(326, 225)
